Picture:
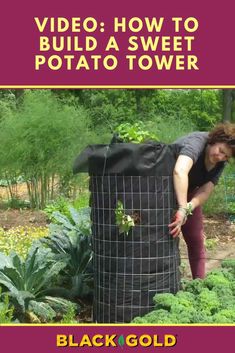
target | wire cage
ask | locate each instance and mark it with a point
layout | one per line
(229, 187)
(129, 269)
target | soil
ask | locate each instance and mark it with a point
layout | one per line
(219, 232)
(13, 218)
(220, 243)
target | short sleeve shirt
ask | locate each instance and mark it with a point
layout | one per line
(194, 145)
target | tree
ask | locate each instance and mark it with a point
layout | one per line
(228, 104)
(40, 141)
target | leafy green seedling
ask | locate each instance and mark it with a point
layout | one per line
(123, 221)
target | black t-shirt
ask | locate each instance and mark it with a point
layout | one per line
(194, 145)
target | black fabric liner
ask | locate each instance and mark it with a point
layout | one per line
(126, 159)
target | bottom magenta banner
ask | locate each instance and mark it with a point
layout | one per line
(87, 338)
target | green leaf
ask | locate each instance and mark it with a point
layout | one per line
(13, 277)
(59, 304)
(17, 263)
(62, 219)
(21, 298)
(5, 261)
(52, 272)
(5, 281)
(121, 340)
(30, 262)
(42, 310)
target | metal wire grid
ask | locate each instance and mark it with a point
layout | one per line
(130, 269)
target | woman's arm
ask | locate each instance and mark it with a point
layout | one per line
(180, 179)
(202, 194)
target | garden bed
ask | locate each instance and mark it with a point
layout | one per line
(220, 235)
(218, 230)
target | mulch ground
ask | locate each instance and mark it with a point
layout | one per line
(14, 218)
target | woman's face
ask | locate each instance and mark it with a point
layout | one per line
(219, 152)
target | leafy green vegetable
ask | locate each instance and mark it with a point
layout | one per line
(71, 243)
(135, 133)
(29, 282)
(211, 300)
(124, 222)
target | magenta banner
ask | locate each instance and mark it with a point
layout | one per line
(123, 43)
(177, 339)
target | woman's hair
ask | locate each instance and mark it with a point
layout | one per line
(223, 133)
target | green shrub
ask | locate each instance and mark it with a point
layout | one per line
(44, 136)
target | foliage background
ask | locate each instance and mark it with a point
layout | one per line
(42, 131)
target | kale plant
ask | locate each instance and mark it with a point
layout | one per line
(211, 300)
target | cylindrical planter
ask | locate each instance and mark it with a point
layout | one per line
(129, 269)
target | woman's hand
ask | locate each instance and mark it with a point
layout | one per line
(179, 219)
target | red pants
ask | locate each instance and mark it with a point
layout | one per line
(193, 235)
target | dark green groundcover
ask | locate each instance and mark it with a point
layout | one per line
(209, 301)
